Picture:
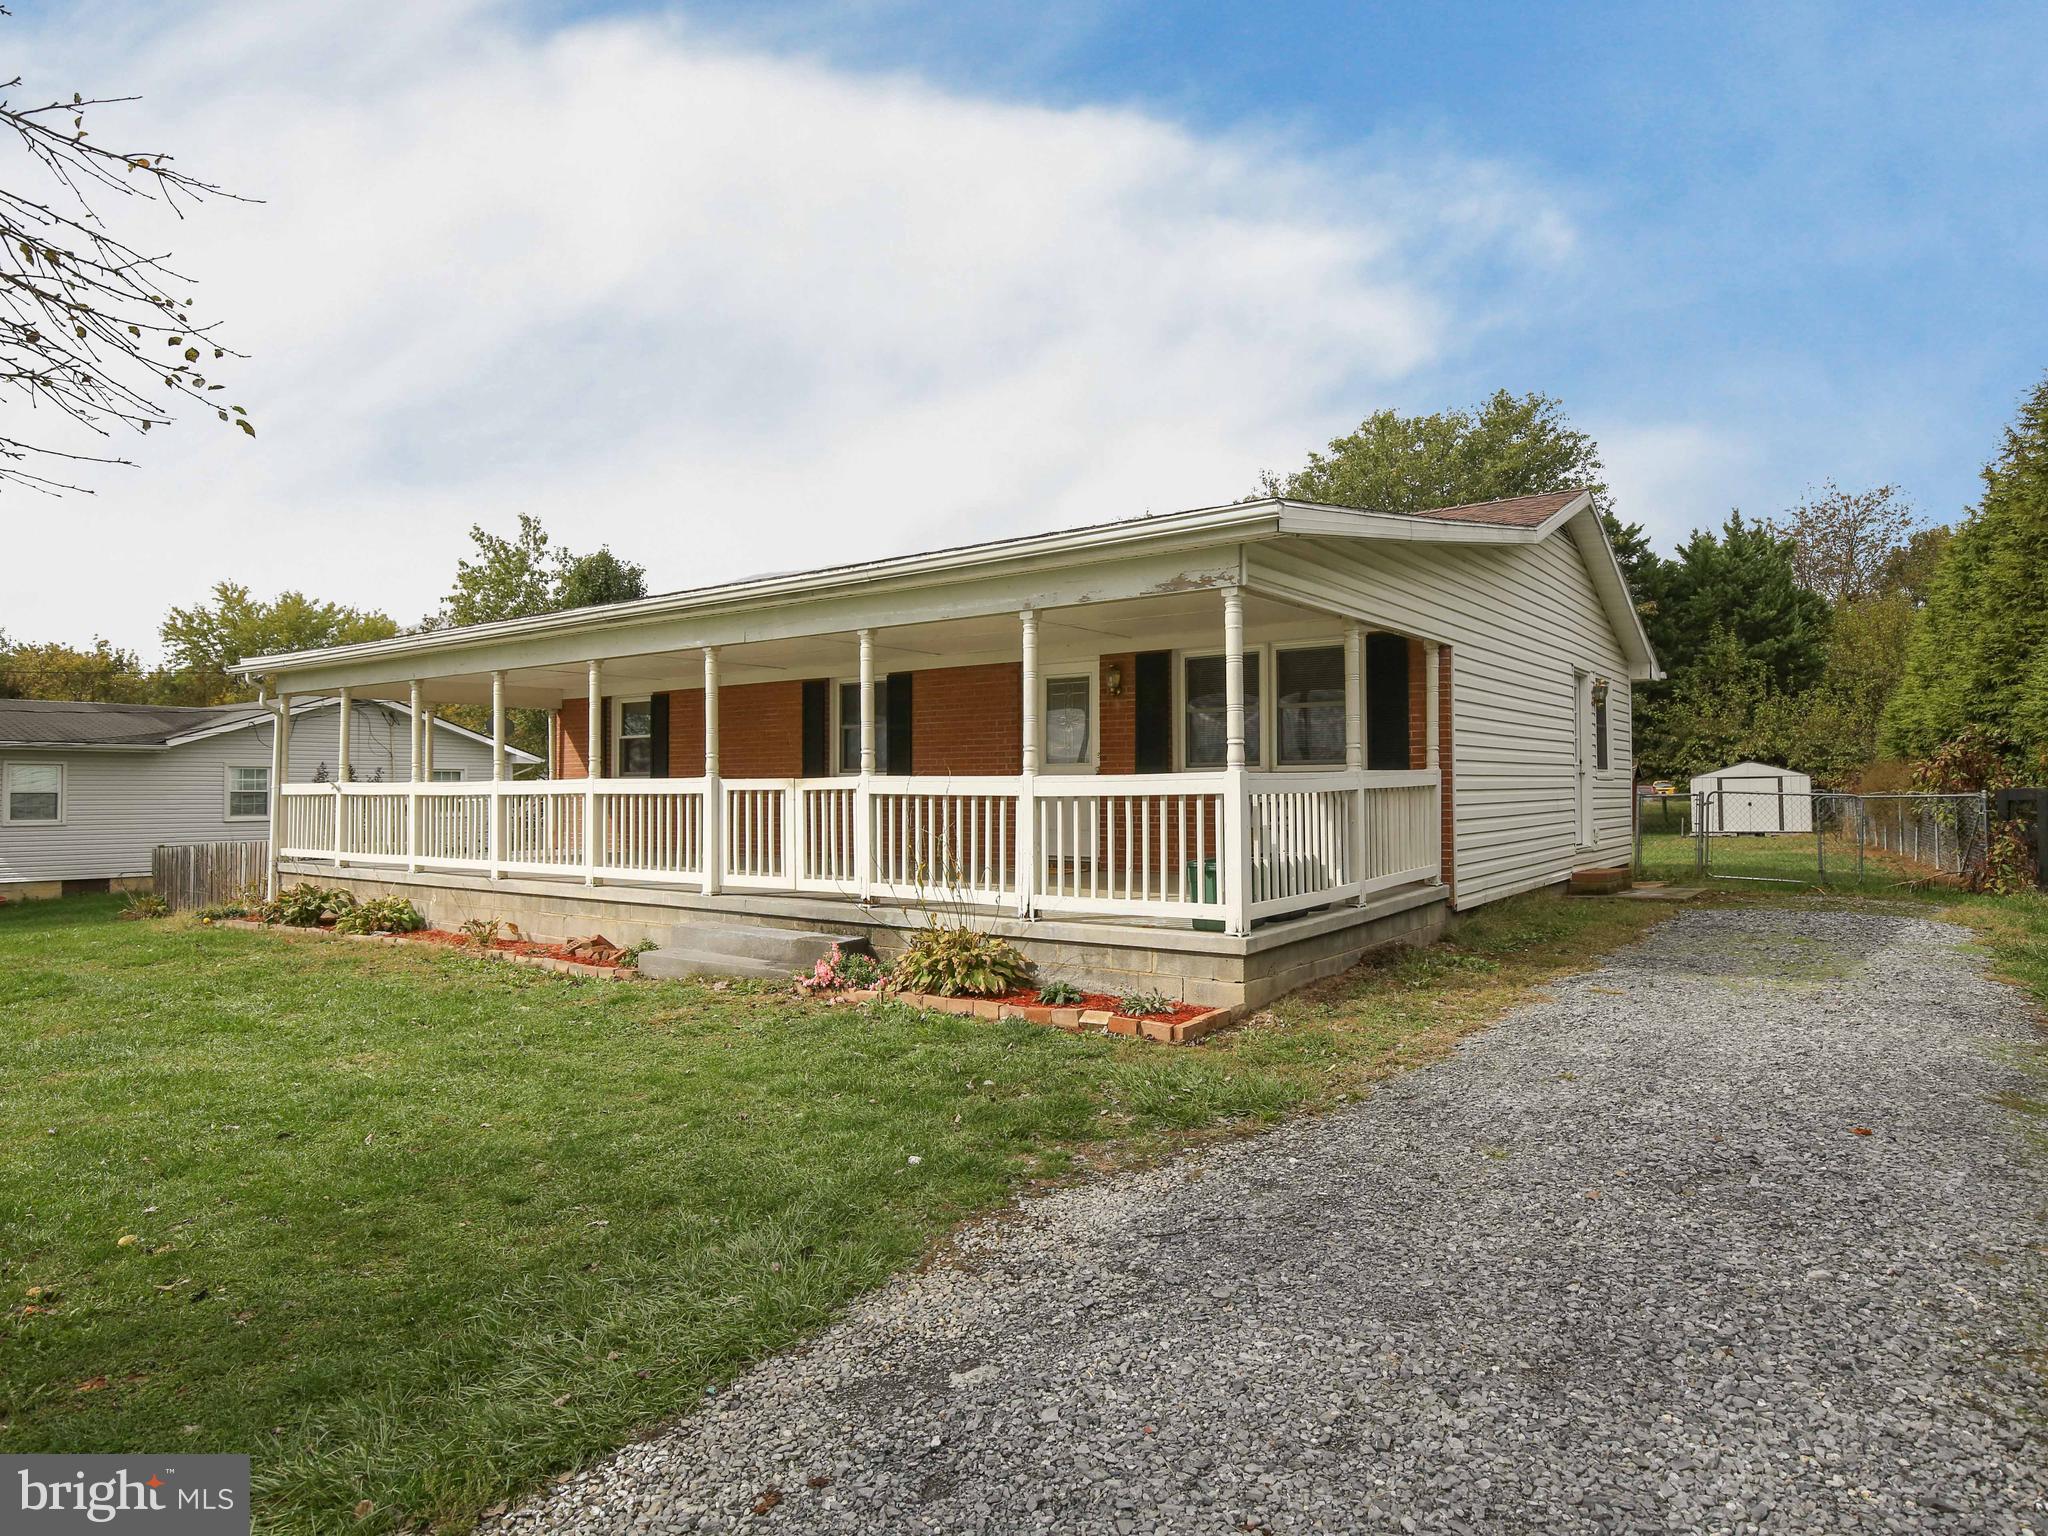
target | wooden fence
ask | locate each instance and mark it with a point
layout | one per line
(208, 874)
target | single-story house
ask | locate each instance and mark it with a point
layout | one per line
(89, 791)
(1211, 753)
(1752, 797)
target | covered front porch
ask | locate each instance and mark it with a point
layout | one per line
(1205, 757)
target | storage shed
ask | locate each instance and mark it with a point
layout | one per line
(1752, 798)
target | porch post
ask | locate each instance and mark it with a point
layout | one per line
(412, 779)
(1354, 746)
(344, 773)
(1432, 706)
(593, 765)
(493, 835)
(714, 792)
(1027, 783)
(280, 766)
(1237, 823)
(863, 803)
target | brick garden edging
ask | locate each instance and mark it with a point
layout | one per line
(1072, 1020)
(512, 957)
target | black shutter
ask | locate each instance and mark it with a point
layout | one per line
(1386, 701)
(1153, 709)
(896, 754)
(817, 728)
(657, 736)
(607, 741)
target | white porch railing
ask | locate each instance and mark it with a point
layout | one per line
(1222, 847)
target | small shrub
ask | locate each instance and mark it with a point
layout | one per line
(481, 931)
(1060, 994)
(304, 906)
(1137, 1004)
(630, 955)
(840, 972)
(145, 904)
(220, 911)
(381, 914)
(2008, 867)
(957, 962)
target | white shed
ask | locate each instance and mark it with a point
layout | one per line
(1752, 798)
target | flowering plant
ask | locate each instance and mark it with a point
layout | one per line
(839, 972)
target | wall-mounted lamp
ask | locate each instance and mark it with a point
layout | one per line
(1113, 679)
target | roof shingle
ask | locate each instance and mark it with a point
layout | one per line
(1508, 512)
(72, 723)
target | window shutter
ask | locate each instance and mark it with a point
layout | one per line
(897, 742)
(657, 736)
(1386, 701)
(609, 738)
(1152, 707)
(817, 728)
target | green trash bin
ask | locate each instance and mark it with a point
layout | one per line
(1203, 873)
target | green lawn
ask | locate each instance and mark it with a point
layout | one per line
(422, 1229)
(1784, 862)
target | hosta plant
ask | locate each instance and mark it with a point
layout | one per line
(381, 914)
(1060, 994)
(306, 906)
(1136, 1005)
(960, 962)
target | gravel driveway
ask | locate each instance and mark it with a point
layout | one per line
(1626, 1261)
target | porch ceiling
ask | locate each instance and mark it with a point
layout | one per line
(1179, 620)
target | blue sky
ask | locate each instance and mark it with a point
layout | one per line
(735, 287)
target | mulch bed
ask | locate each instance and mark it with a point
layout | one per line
(1105, 1002)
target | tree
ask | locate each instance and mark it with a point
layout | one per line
(1978, 658)
(528, 574)
(1508, 445)
(201, 642)
(92, 329)
(601, 577)
(1845, 542)
(1909, 569)
(1741, 581)
(105, 674)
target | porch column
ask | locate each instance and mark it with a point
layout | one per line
(593, 765)
(1432, 730)
(412, 779)
(714, 792)
(1237, 825)
(1354, 745)
(1431, 704)
(280, 767)
(1027, 784)
(863, 803)
(494, 836)
(344, 773)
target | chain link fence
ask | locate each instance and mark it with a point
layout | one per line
(1777, 837)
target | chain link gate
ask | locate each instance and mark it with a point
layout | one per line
(1778, 837)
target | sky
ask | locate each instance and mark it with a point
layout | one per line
(746, 287)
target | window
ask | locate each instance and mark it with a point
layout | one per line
(248, 794)
(1069, 728)
(1600, 723)
(35, 792)
(447, 775)
(849, 726)
(636, 740)
(1207, 742)
(1309, 707)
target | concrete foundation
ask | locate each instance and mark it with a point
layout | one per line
(1213, 969)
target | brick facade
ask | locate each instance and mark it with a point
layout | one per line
(1119, 716)
(968, 720)
(760, 731)
(572, 739)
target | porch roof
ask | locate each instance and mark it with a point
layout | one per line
(1157, 555)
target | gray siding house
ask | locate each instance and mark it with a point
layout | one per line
(88, 791)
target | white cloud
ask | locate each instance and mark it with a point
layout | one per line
(724, 310)
(1673, 477)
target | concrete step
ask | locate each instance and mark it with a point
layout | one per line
(743, 949)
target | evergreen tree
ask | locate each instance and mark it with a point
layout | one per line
(1740, 581)
(1978, 659)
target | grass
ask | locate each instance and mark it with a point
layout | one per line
(420, 1229)
(1785, 862)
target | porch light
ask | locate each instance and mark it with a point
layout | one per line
(1113, 679)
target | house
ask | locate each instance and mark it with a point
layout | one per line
(88, 791)
(1751, 797)
(1211, 753)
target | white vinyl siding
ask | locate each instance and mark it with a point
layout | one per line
(118, 806)
(1521, 620)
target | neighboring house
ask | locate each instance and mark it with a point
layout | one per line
(1212, 753)
(88, 791)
